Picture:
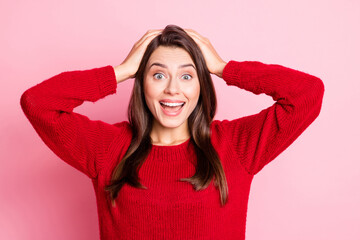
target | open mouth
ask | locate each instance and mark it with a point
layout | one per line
(172, 107)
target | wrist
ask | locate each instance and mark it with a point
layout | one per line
(221, 69)
(121, 73)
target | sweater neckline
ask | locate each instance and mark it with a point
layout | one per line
(180, 145)
(171, 153)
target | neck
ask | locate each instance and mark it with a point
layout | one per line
(163, 136)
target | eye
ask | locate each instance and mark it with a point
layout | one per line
(187, 76)
(158, 74)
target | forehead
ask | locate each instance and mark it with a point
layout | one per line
(170, 56)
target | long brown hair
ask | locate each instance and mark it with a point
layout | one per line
(140, 119)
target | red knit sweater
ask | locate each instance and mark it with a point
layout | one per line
(168, 208)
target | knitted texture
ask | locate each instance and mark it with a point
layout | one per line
(169, 208)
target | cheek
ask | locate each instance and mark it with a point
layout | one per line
(151, 93)
(193, 92)
(147, 95)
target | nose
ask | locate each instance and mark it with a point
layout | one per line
(172, 87)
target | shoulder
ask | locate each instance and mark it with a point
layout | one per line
(124, 125)
(123, 128)
(222, 126)
(215, 126)
(226, 130)
(221, 129)
(121, 141)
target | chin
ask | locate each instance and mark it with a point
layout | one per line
(171, 124)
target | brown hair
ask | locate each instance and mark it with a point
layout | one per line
(140, 119)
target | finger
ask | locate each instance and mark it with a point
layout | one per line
(149, 35)
(197, 40)
(197, 37)
(193, 32)
(190, 30)
(154, 31)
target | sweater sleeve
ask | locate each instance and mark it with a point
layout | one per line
(257, 139)
(73, 137)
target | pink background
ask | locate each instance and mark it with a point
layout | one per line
(311, 191)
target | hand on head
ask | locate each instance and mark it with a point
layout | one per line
(214, 62)
(132, 61)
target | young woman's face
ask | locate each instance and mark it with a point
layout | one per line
(171, 86)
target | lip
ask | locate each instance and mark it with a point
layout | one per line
(171, 101)
(171, 114)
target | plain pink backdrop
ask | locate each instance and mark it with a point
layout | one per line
(311, 191)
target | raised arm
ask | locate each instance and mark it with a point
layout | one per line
(259, 138)
(73, 137)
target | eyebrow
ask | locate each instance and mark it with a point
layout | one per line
(164, 66)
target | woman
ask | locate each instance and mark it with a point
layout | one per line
(172, 171)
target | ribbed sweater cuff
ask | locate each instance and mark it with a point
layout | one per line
(239, 74)
(252, 76)
(105, 77)
(230, 71)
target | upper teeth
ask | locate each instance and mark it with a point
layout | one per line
(171, 104)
